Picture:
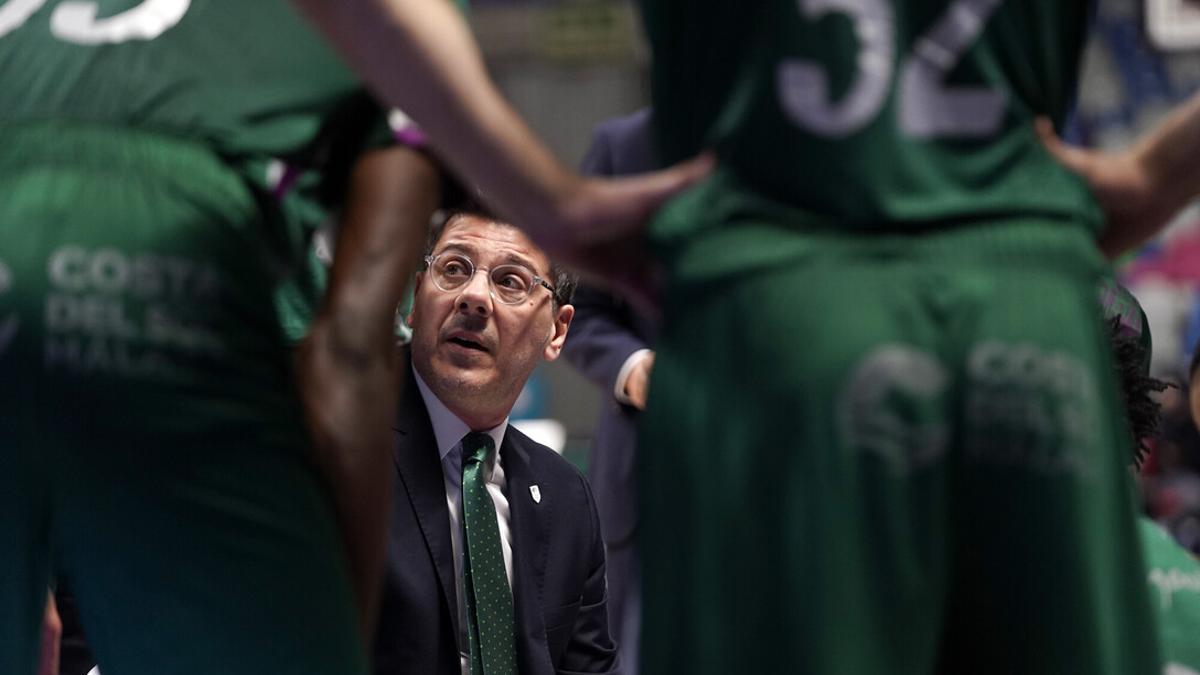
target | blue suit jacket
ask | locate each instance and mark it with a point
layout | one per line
(558, 561)
(605, 331)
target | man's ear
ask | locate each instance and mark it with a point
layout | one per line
(558, 331)
(416, 289)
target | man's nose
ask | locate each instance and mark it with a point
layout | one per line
(476, 296)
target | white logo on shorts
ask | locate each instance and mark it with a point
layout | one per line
(890, 404)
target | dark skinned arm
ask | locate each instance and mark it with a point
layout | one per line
(347, 364)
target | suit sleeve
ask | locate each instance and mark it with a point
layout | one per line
(602, 335)
(591, 648)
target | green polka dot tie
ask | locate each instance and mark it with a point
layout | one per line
(490, 615)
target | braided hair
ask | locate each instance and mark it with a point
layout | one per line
(1142, 411)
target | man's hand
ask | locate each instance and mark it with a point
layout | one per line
(1121, 184)
(599, 227)
(1143, 187)
(637, 383)
(51, 637)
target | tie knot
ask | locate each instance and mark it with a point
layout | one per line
(476, 447)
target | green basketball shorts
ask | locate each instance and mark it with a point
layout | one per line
(890, 454)
(151, 442)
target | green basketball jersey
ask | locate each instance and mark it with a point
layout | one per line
(867, 114)
(250, 81)
(240, 77)
(1174, 579)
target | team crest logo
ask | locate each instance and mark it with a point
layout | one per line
(891, 407)
(536, 493)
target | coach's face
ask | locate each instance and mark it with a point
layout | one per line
(474, 351)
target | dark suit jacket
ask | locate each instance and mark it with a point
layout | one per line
(558, 561)
(605, 331)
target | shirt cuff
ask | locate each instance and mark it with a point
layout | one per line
(623, 374)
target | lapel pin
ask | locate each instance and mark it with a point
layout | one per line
(537, 494)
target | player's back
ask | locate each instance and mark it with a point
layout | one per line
(894, 115)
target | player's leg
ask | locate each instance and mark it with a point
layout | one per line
(1048, 575)
(25, 455)
(188, 512)
(228, 561)
(793, 472)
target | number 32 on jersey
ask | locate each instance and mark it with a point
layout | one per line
(75, 20)
(927, 108)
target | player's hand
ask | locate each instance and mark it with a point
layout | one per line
(637, 383)
(51, 638)
(1122, 186)
(605, 223)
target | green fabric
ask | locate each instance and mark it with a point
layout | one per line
(718, 84)
(312, 200)
(260, 97)
(248, 79)
(490, 614)
(1174, 580)
(890, 454)
(151, 434)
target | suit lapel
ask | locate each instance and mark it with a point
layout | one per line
(530, 526)
(416, 457)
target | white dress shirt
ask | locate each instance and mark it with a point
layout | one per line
(449, 431)
(627, 367)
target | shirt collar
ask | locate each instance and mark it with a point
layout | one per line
(448, 429)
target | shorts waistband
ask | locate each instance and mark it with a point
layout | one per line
(1019, 243)
(81, 148)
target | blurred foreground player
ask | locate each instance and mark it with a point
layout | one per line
(884, 414)
(1173, 574)
(151, 433)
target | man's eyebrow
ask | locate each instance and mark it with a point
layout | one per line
(518, 259)
(456, 247)
(508, 259)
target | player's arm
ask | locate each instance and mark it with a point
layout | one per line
(1142, 187)
(419, 56)
(347, 363)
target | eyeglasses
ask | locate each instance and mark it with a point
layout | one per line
(510, 284)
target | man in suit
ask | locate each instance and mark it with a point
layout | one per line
(610, 343)
(495, 559)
